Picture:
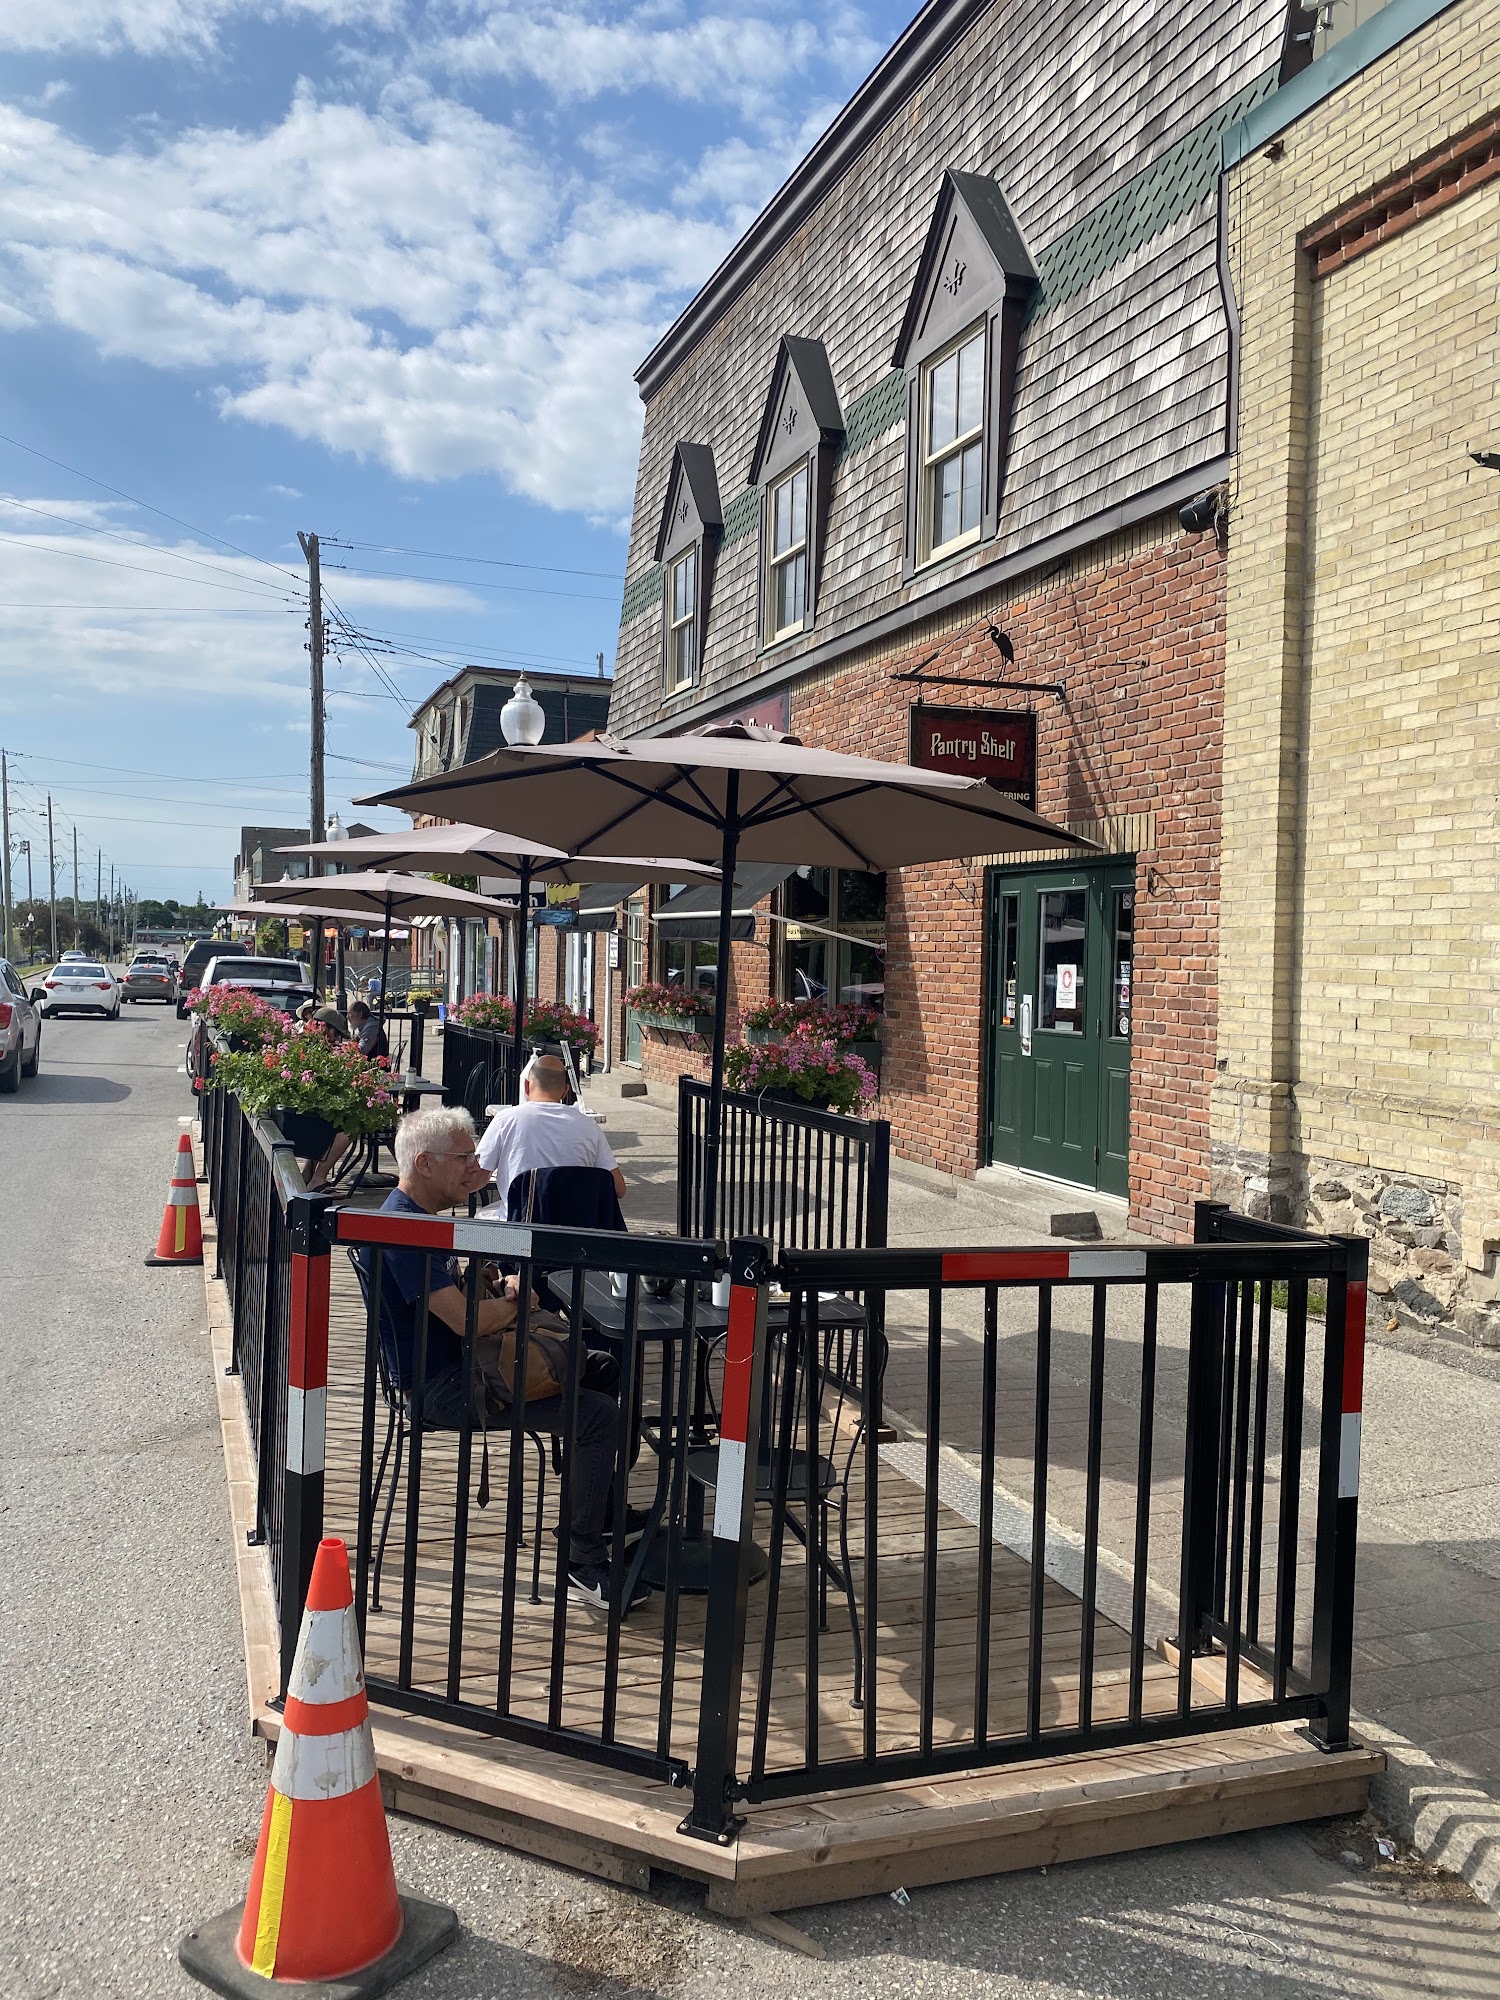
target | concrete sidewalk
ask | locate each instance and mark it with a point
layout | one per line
(1427, 1658)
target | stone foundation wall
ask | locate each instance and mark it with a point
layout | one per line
(1421, 1273)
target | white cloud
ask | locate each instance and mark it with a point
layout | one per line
(406, 278)
(161, 27)
(286, 492)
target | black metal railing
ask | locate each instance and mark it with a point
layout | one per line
(256, 1193)
(800, 1178)
(477, 1634)
(479, 1068)
(1118, 1505)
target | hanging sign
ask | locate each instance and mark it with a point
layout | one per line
(998, 745)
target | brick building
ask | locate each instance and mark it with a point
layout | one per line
(911, 483)
(1358, 1082)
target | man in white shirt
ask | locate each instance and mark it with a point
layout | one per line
(542, 1131)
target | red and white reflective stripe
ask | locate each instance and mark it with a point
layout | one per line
(307, 1348)
(1352, 1401)
(422, 1232)
(327, 1669)
(323, 1767)
(182, 1194)
(734, 1412)
(1002, 1266)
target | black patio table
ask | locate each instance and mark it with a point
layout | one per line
(665, 1320)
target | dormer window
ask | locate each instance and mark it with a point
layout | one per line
(786, 611)
(953, 456)
(692, 525)
(801, 431)
(682, 621)
(958, 344)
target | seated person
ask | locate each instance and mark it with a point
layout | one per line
(542, 1131)
(365, 1028)
(439, 1170)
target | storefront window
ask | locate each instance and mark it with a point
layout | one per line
(849, 968)
(689, 962)
(1064, 931)
(1124, 955)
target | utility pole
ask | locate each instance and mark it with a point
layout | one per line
(51, 879)
(315, 652)
(75, 888)
(5, 894)
(98, 888)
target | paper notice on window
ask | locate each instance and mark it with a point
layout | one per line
(1067, 989)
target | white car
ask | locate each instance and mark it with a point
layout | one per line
(20, 1031)
(75, 986)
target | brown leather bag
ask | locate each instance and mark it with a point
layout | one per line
(546, 1359)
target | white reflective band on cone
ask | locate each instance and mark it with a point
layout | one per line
(182, 1194)
(1349, 1455)
(729, 1494)
(327, 1667)
(306, 1415)
(323, 1767)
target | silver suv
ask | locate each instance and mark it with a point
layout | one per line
(20, 1031)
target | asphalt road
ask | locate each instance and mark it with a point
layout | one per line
(132, 1793)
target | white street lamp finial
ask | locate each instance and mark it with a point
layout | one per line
(523, 719)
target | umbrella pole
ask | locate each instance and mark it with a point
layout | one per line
(727, 859)
(385, 959)
(523, 939)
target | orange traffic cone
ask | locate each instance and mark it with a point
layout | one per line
(181, 1238)
(323, 1910)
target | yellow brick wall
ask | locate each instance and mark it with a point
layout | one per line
(1359, 915)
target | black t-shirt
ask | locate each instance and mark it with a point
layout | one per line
(373, 1040)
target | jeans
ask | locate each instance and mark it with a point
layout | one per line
(593, 1460)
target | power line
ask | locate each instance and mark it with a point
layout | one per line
(78, 555)
(472, 583)
(113, 535)
(130, 770)
(120, 494)
(491, 562)
(182, 610)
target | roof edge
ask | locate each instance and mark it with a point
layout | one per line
(904, 67)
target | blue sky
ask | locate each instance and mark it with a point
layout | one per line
(374, 269)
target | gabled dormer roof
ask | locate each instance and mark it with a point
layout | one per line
(973, 249)
(693, 484)
(801, 388)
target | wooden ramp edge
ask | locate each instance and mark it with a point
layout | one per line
(827, 1848)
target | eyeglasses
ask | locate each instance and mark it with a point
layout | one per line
(469, 1159)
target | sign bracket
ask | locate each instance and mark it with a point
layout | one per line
(997, 687)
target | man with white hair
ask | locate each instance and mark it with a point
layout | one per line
(543, 1131)
(440, 1169)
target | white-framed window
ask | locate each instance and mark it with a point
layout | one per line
(950, 500)
(786, 580)
(682, 620)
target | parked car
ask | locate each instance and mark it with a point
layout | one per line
(149, 979)
(201, 953)
(20, 1031)
(68, 956)
(74, 987)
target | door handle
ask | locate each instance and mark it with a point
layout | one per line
(1026, 1024)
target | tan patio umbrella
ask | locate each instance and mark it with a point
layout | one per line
(733, 793)
(381, 895)
(474, 850)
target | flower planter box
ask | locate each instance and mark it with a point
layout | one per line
(310, 1135)
(867, 1050)
(674, 1024)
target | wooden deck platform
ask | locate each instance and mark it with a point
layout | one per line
(815, 1849)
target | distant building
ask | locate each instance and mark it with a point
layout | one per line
(258, 861)
(460, 721)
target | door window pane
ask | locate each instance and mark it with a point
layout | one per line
(1009, 946)
(1064, 920)
(1123, 963)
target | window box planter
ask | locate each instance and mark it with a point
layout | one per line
(867, 1049)
(310, 1135)
(673, 1024)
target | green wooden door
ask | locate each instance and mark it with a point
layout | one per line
(1060, 976)
(635, 972)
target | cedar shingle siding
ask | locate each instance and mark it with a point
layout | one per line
(1100, 122)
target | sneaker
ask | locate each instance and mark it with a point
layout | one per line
(589, 1585)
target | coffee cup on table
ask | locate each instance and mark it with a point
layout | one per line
(617, 1284)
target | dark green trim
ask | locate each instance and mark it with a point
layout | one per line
(1349, 55)
(1159, 195)
(642, 594)
(742, 515)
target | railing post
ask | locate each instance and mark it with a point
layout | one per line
(1200, 1471)
(685, 1182)
(1338, 1492)
(418, 1034)
(310, 1225)
(713, 1816)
